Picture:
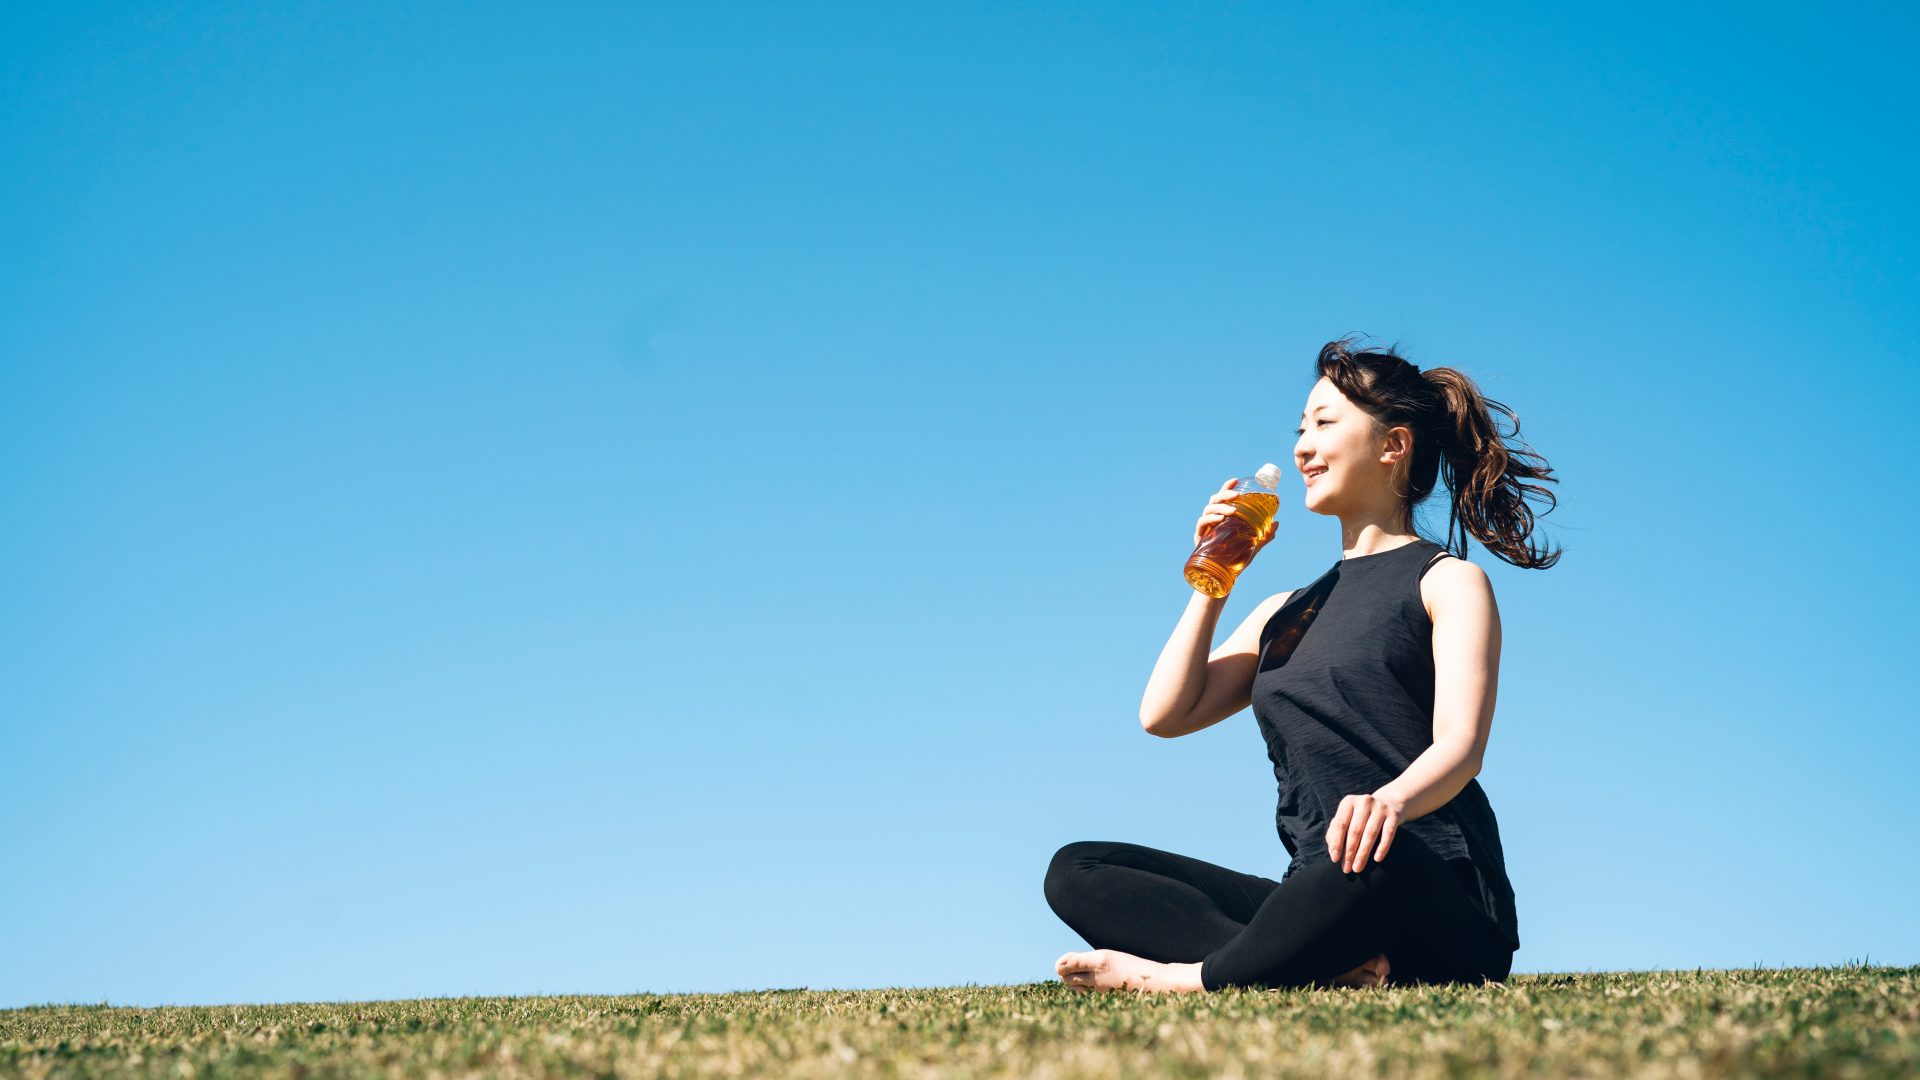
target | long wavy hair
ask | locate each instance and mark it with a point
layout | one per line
(1454, 431)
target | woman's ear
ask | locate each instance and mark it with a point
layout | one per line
(1399, 445)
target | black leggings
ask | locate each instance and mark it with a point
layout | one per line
(1254, 931)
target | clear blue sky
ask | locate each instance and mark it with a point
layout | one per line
(597, 500)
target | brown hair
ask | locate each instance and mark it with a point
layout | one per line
(1453, 425)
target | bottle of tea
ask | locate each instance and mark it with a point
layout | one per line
(1228, 547)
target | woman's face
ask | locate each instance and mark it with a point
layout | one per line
(1337, 454)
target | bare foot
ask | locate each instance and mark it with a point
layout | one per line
(1111, 969)
(1370, 974)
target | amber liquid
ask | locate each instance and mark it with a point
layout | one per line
(1229, 546)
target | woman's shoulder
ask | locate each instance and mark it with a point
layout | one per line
(1450, 581)
(1273, 603)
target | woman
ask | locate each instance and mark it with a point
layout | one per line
(1374, 689)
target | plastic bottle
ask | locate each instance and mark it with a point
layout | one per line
(1229, 546)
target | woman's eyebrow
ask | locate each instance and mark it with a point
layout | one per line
(1316, 408)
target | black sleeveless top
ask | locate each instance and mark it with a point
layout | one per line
(1344, 699)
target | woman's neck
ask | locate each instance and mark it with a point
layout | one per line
(1371, 538)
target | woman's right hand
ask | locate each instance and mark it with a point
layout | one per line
(1219, 509)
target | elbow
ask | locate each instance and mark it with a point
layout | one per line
(1156, 728)
(1469, 752)
(1469, 755)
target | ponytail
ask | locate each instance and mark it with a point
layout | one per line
(1455, 433)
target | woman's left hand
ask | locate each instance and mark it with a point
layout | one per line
(1360, 821)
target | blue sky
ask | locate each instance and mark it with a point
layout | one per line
(686, 497)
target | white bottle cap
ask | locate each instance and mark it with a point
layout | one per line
(1269, 475)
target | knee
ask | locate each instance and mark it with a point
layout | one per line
(1371, 877)
(1407, 872)
(1503, 969)
(1064, 870)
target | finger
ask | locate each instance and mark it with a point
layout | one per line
(1386, 837)
(1364, 848)
(1357, 826)
(1336, 830)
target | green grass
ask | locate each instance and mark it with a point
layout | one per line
(1812, 1022)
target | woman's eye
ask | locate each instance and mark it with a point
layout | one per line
(1299, 431)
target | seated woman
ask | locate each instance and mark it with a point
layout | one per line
(1374, 690)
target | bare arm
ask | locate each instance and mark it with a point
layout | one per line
(1191, 689)
(1466, 675)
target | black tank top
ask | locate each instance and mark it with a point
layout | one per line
(1344, 699)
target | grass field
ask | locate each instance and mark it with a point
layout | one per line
(1805, 1022)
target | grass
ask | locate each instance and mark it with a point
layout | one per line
(1851, 1021)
